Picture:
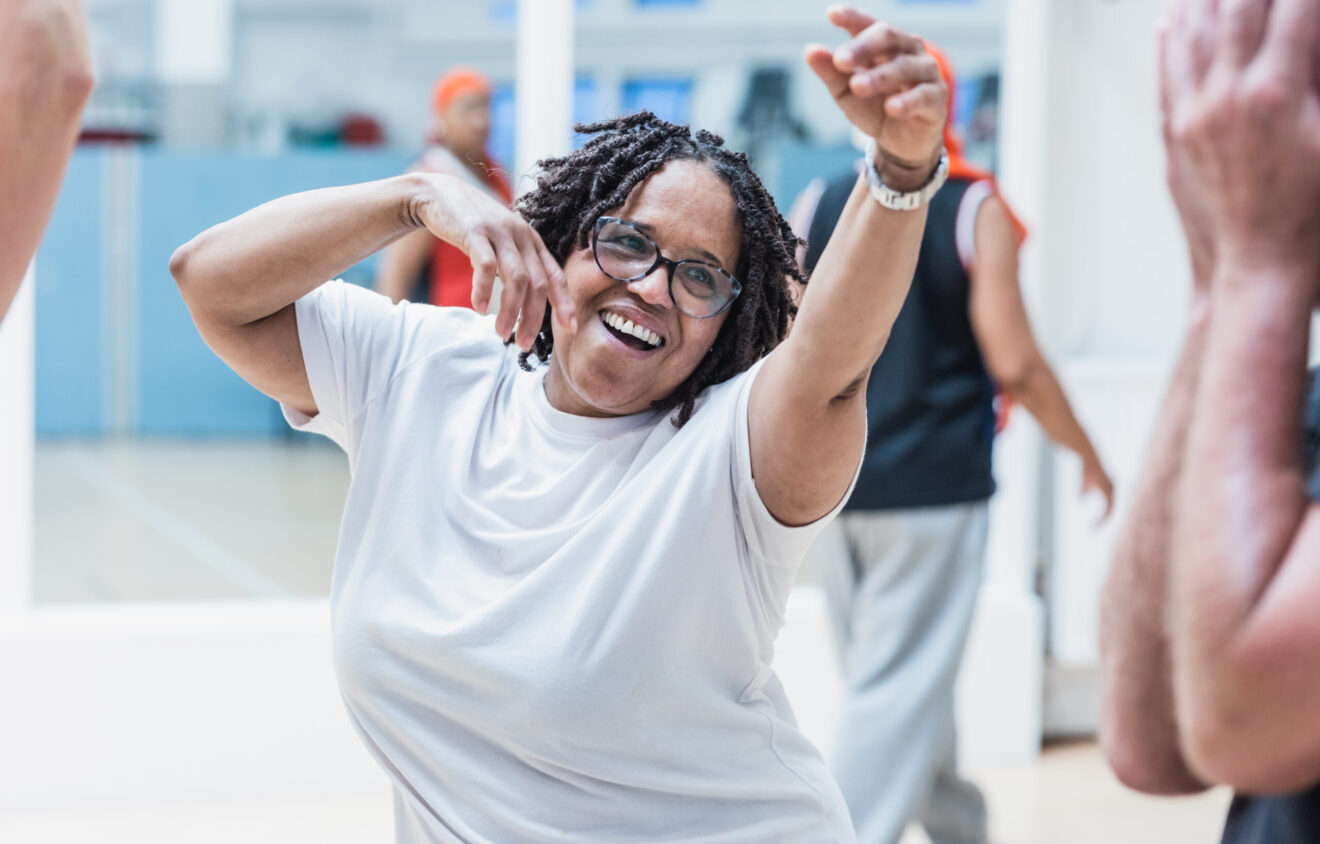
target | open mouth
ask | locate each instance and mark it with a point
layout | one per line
(633, 336)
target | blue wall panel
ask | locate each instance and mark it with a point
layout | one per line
(69, 377)
(587, 108)
(183, 388)
(668, 98)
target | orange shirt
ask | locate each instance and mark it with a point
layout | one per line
(451, 271)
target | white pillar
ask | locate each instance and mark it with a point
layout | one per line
(16, 446)
(1024, 159)
(544, 84)
(1001, 684)
(194, 40)
(193, 50)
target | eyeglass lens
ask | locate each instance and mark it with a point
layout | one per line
(626, 254)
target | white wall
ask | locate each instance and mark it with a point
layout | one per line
(1109, 281)
(16, 441)
(305, 59)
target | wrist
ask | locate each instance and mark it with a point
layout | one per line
(905, 174)
(415, 190)
(1267, 276)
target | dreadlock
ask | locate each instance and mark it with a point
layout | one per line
(576, 189)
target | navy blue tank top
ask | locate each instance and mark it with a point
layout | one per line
(929, 400)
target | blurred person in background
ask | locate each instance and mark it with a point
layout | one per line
(1210, 628)
(561, 570)
(420, 266)
(45, 80)
(903, 562)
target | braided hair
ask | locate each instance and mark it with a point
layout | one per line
(576, 189)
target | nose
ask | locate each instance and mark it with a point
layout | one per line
(653, 288)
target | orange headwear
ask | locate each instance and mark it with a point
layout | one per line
(959, 167)
(456, 83)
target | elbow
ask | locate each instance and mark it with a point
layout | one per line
(1130, 763)
(179, 265)
(188, 276)
(1211, 749)
(1150, 767)
(77, 84)
(1247, 753)
(59, 30)
(1014, 375)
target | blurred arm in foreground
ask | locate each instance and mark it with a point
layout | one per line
(45, 80)
(1211, 634)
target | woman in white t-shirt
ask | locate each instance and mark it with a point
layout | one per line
(560, 574)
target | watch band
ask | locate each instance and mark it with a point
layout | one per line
(897, 200)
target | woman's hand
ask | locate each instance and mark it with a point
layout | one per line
(498, 242)
(1242, 112)
(890, 88)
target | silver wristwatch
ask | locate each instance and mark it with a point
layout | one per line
(897, 200)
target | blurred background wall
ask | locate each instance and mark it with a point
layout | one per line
(244, 100)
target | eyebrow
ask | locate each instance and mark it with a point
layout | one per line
(650, 229)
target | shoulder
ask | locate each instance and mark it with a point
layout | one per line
(727, 399)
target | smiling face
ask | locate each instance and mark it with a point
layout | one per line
(602, 369)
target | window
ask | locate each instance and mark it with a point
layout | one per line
(504, 114)
(670, 98)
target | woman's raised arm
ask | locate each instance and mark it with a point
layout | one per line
(241, 278)
(807, 415)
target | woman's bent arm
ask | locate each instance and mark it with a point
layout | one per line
(45, 79)
(241, 278)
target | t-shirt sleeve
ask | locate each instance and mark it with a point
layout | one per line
(355, 342)
(768, 538)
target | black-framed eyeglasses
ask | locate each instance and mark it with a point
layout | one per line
(625, 253)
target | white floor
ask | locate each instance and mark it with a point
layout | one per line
(1068, 797)
(186, 520)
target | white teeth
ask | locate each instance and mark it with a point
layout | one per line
(626, 326)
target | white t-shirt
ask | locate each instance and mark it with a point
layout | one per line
(549, 627)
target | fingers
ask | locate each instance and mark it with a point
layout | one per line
(895, 76)
(1177, 79)
(537, 288)
(928, 101)
(850, 19)
(1203, 31)
(1291, 37)
(877, 44)
(1102, 485)
(560, 302)
(821, 60)
(530, 277)
(531, 316)
(484, 267)
(1241, 32)
(515, 279)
